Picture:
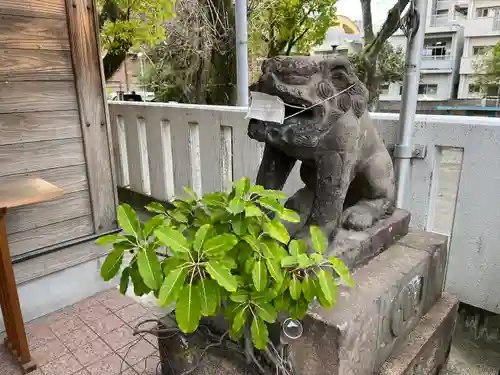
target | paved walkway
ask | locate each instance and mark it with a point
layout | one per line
(93, 337)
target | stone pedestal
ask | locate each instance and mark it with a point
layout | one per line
(395, 321)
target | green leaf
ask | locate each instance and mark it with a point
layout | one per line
(289, 262)
(259, 275)
(178, 215)
(252, 210)
(124, 280)
(128, 221)
(188, 309)
(260, 334)
(327, 287)
(172, 238)
(305, 261)
(271, 204)
(298, 309)
(240, 319)
(308, 288)
(172, 287)
(277, 251)
(274, 267)
(215, 200)
(200, 237)
(236, 206)
(297, 247)
(169, 264)
(220, 244)
(282, 301)
(342, 271)
(265, 250)
(112, 264)
(152, 224)
(139, 287)
(295, 288)
(191, 193)
(277, 230)
(266, 311)
(241, 187)
(240, 296)
(155, 207)
(290, 216)
(249, 265)
(208, 296)
(222, 275)
(150, 268)
(275, 194)
(319, 240)
(110, 238)
(253, 243)
(317, 258)
(239, 226)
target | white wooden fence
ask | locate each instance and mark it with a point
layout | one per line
(160, 148)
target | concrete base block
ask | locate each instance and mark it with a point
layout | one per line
(426, 349)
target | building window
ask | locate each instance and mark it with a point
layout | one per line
(442, 12)
(384, 88)
(493, 91)
(436, 49)
(481, 50)
(482, 12)
(401, 90)
(427, 89)
(474, 89)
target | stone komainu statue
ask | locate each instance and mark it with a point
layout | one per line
(347, 171)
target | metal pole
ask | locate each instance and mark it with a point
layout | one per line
(403, 151)
(242, 52)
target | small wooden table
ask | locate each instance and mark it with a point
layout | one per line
(17, 193)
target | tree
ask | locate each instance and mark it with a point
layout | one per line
(487, 68)
(196, 62)
(389, 66)
(129, 24)
(280, 27)
(375, 44)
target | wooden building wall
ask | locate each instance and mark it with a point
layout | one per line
(53, 121)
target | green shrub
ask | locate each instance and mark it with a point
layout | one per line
(222, 253)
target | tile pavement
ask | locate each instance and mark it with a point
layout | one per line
(92, 337)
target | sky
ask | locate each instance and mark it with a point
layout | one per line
(352, 9)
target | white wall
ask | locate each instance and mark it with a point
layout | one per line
(444, 90)
(471, 42)
(463, 88)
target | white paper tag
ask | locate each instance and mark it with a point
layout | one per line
(266, 107)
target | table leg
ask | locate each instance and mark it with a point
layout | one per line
(11, 308)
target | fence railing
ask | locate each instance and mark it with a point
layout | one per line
(160, 148)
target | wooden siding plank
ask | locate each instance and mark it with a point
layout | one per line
(33, 65)
(87, 66)
(30, 157)
(33, 33)
(38, 215)
(39, 126)
(23, 242)
(18, 97)
(70, 179)
(37, 8)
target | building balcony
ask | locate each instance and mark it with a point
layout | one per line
(488, 26)
(438, 64)
(438, 20)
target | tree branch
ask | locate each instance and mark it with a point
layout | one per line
(366, 11)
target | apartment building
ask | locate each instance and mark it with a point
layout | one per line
(441, 55)
(482, 32)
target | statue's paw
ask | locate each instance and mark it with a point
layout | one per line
(358, 217)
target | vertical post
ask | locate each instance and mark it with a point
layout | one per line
(242, 52)
(403, 152)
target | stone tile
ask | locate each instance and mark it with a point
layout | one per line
(115, 301)
(82, 372)
(137, 351)
(91, 352)
(131, 312)
(119, 337)
(94, 313)
(38, 334)
(64, 326)
(86, 304)
(149, 366)
(150, 325)
(60, 315)
(65, 365)
(109, 365)
(78, 337)
(105, 324)
(50, 351)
